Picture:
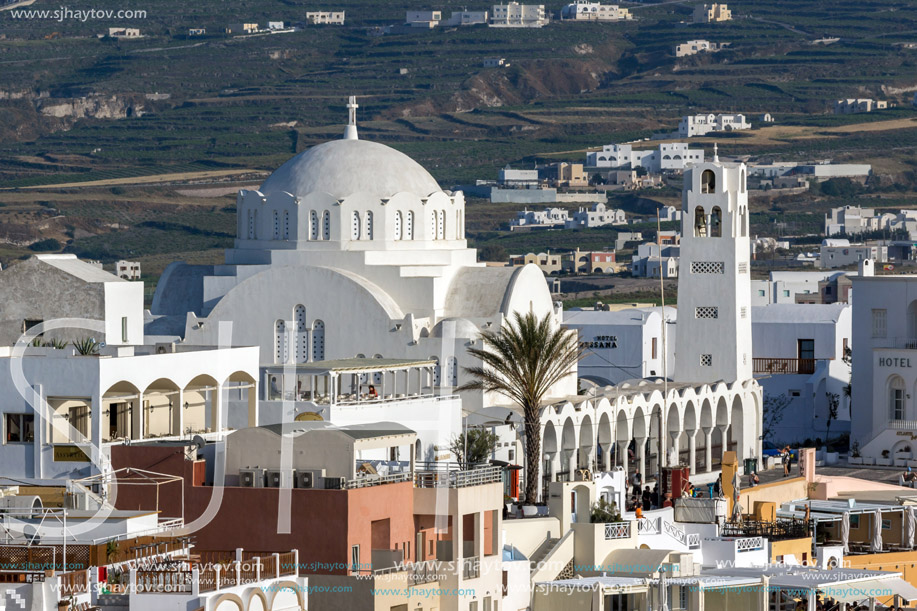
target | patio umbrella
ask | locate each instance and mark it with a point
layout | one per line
(736, 508)
(910, 525)
(845, 532)
(876, 543)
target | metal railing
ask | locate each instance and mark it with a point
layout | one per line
(901, 343)
(646, 526)
(471, 568)
(447, 477)
(377, 480)
(784, 366)
(617, 530)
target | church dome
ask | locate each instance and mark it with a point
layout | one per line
(344, 167)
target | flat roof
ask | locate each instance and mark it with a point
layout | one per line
(370, 430)
(350, 365)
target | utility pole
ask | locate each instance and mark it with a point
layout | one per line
(665, 379)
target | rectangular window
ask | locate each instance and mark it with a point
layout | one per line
(706, 312)
(19, 428)
(806, 348)
(706, 360)
(354, 558)
(124, 329)
(786, 293)
(878, 322)
(761, 293)
(654, 348)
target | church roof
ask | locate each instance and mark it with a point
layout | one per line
(344, 167)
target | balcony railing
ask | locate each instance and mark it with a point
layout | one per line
(693, 540)
(377, 480)
(901, 343)
(617, 530)
(784, 366)
(749, 544)
(903, 425)
(451, 477)
(471, 568)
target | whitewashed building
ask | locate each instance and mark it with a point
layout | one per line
(701, 125)
(599, 216)
(385, 244)
(693, 47)
(586, 10)
(884, 384)
(669, 156)
(549, 217)
(467, 18)
(799, 358)
(623, 345)
(325, 17)
(836, 252)
(516, 15)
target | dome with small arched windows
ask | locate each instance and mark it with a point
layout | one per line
(344, 167)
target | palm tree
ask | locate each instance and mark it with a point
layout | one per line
(522, 362)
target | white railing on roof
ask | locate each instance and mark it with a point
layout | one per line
(647, 526)
(675, 532)
(749, 544)
(617, 530)
(693, 540)
(377, 480)
(903, 425)
(454, 478)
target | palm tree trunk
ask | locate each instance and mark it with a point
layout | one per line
(532, 453)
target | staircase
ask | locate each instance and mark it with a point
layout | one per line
(542, 551)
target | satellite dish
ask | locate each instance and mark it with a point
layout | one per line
(198, 441)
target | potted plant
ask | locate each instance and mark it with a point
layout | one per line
(604, 512)
(508, 501)
(884, 461)
(63, 604)
(855, 458)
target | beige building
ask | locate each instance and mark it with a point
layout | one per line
(851, 106)
(712, 13)
(124, 33)
(549, 263)
(242, 28)
(693, 47)
(585, 10)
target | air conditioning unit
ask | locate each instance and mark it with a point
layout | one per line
(308, 479)
(251, 477)
(279, 478)
(335, 483)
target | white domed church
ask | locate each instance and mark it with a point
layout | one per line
(350, 249)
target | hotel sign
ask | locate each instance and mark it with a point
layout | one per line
(69, 453)
(601, 341)
(889, 361)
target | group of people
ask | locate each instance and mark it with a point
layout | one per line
(786, 457)
(643, 499)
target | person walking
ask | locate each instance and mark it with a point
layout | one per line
(636, 481)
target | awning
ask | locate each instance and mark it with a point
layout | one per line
(869, 588)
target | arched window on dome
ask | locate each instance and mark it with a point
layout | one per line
(355, 226)
(313, 225)
(368, 229)
(286, 224)
(326, 225)
(318, 341)
(440, 224)
(708, 182)
(409, 225)
(396, 233)
(281, 351)
(302, 334)
(276, 225)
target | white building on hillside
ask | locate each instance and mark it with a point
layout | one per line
(836, 252)
(851, 220)
(515, 15)
(549, 217)
(599, 216)
(587, 10)
(325, 17)
(670, 156)
(693, 47)
(466, 18)
(799, 358)
(701, 125)
(423, 19)
(386, 245)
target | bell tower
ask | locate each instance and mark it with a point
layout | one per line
(714, 288)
